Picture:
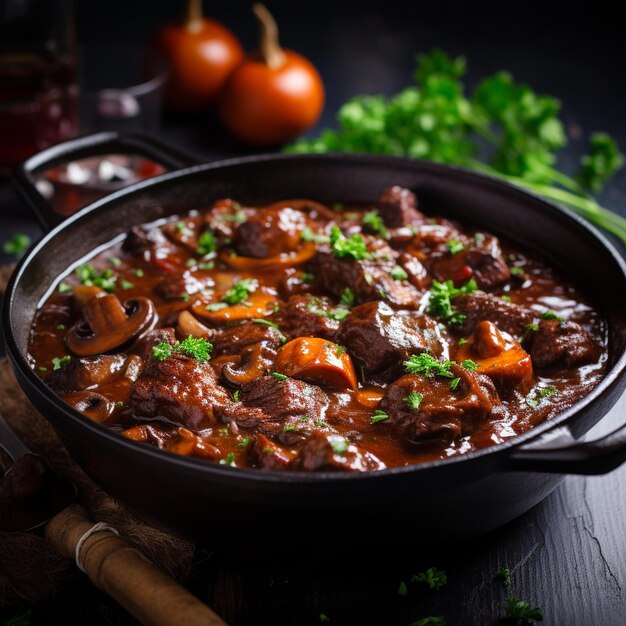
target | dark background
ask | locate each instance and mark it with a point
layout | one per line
(568, 555)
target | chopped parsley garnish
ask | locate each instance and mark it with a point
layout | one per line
(126, 284)
(398, 273)
(320, 423)
(139, 273)
(546, 391)
(338, 444)
(64, 288)
(307, 277)
(115, 261)
(532, 327)
(428, 365)
(209, 265)
(17, 245)
(431, 620)
(229, 459)
(308, 234)
(240, 291)
(402, 590)
(58, 363)
(41, 368)
(348, 247)
(413, 400)
(441, 296)
(336, 313)
(190, 262)
(469, 365)
(462, 341)
(244, 442)
(550, 315)
(236, 395)
(119, 404)
(379, 416)
(455, 246)
(374, 222)
(433, 577)
(518, 609)
(197, 348)
(324, 619)
(340, 350)
(506, 298)
(88, 275)
(505, 575)
(279, 376)
(454, 383)
(60, 326)
(185, 297)
(206, 243)
(290, 428)
(347, 297)
(265, 323)
(533, 400)
(517, 271)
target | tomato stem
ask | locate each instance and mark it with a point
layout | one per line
(193, 16)
(271, 52)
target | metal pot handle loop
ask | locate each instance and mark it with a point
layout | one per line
(558, 452)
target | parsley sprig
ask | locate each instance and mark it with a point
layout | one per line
(374, 222)
(348, 247)
(439, 119)
(440, 300)
(197, 348)
(17, 245)
(428, 365)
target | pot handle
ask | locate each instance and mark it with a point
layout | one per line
(97, 144)
(558, 452)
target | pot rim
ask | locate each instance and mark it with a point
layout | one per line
(203, 468)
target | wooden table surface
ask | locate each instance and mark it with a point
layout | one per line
(567, 555)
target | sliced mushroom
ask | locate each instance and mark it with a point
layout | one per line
(256, 360)
(91, 404)
(109, 325)
(189, 325)
(83, 293)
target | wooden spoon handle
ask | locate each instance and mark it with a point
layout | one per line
(126, 574)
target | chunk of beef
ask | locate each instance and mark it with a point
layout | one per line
(417, 274)
(509, 317)
(233, 340)
(281, 399)
(307, 316)
(431, 241)
(181, 390)
(382, 339)
(480, 259)
(443, 414)
(143, 241)
(222, 218)
(144, 344)
(560, 343)
(332, 452)
(368, 279)
(174, 286)
(398, 207)
(266, 454)
(178, 440)
(85, 372)
(269, 232)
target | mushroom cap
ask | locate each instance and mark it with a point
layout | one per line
(108, 324)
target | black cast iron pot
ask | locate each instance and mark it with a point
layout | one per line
(459, 497)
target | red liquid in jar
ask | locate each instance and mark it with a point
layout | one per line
(38, 104)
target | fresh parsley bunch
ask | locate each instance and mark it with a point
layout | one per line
(501, 127)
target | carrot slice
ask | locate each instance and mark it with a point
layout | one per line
(257, 304)
(500, 357)
(317, 361)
